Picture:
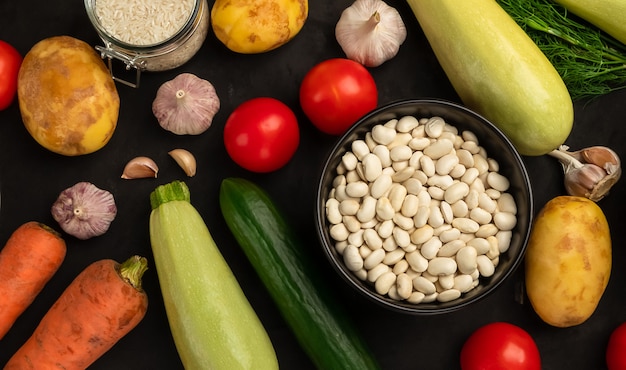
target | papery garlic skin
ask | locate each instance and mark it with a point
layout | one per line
(139, 168)
(370, 32)
(84, 210)
(186, 105)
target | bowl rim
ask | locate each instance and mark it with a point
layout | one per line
(361, 287)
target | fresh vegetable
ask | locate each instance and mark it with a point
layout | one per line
(590, 172)
(319, 322)
(261, 134)
(185, 160)
(616, 349)
(608, 15)
(498, 71)
(370, 32)
(500, 345)
(67, 97)
(99, 307)
(335, 93)
(257, 26)
(31, 256)
(140, 167)
(590, 62)
(212, 323)
(568, 260)
(10, 61)
(186, 105)
(84, 210)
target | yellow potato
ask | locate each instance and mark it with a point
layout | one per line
(257, 26)
(568, 260)
(67, 97)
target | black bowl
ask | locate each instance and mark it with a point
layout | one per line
(497, 146)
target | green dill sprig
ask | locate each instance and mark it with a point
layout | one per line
(590, 62)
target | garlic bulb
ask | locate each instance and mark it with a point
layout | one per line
(370, 32)
(589, 172)
(84, 210)
(186, 105)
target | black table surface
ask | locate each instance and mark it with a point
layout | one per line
(31, 178)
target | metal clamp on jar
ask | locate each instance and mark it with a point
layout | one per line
(148, 35)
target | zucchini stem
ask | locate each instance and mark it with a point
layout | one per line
(174, 191)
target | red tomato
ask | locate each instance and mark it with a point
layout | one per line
(335, 93)
(616, 349)
(500, 345)
(10, 61)
(261, 134)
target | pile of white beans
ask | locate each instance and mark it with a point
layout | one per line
(418, 210)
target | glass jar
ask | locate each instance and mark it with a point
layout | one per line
(160, 55)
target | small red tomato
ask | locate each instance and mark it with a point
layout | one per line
(616, 349)
(10, 62)
(335, 93)
(500, 345)
(261, 134)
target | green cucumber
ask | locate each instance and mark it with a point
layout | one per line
(498, 71)
(318, 321)
(212, 323)
(607, 15)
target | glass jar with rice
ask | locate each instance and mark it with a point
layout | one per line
(149, 35)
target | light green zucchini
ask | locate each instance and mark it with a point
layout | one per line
(498, 71)
(212, 323)
(607, 15)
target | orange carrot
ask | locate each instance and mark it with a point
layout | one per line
(30, 257)
(103, 304)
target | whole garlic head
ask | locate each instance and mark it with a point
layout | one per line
(186, 105)
(370, 32)
(84, 210)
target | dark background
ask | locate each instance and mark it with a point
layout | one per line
(32, 177)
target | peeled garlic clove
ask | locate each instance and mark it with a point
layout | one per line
(186, 105)
(84, 210)
(185, 160)
(139, 168)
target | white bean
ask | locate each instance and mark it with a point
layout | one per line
(446, 212)
(367, 210)
(401, 236)
(385, 229)
(463, 283)
(435, 219)
(385, 282)
(383, 135)
(450, 248)
(419, 143)
(446, 164)
(381, 185)
(430, 248)
(445, 282)
(448, 295)
(400, 267)
(364, 251)
(485, 266)
(498, 181)
(382, 152)
(357, 189)
(409, 205)
(421, 284)
(372, 239)
(332, 211)
(352, 224)
(372, 167)
(401, 153)
(486, 230)
(456, 192)
(396, 196)
(349, 161)
(407, 124)
(374, 273)
(439, 148)
(465, 225)
(404, 286)
(439, 266)
(360, 149)
(504, 240)
(349, 207)
(481, 245)
(506, 203)
(434, 127)
(421, 217)
(427, 165)
(504, 220)
(403, 174)
(352, 258)
(374, 259)
(422, 235)
(449, 235)
(339, 232)
(417, 261)
(466, 259)
(384, 209)
(416, 297)
(480, 215)
(393, 257)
